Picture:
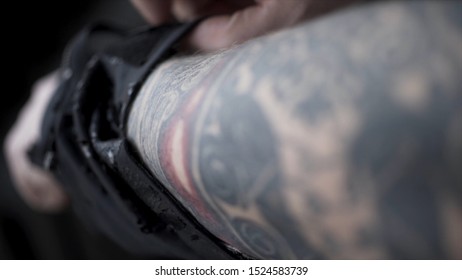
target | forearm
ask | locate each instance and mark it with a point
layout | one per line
(340, 138)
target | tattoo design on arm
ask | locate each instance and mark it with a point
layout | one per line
(340, 138)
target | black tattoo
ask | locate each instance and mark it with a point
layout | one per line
(340, 138)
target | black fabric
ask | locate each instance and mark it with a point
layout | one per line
(83, 143)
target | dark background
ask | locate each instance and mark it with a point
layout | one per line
(34, 36)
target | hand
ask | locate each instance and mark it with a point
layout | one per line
(37, 187)
(234, 21)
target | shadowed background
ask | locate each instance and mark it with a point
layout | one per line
(33, 41)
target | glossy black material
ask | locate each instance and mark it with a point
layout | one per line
(84, 144)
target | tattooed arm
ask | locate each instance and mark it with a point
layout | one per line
(341, 138)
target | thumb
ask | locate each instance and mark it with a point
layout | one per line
(223, 31)
(263, 17)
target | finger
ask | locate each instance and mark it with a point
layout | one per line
(187, 10)
(155, 11)
(38, 188)
(42, 192)
(262, 18)
(226, 30)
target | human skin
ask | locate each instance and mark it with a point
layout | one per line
(337, 139)
(234, 21)
(340, 138)
(39, 189)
